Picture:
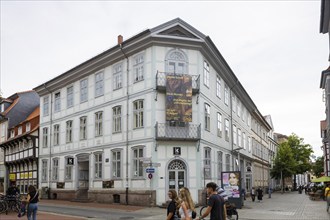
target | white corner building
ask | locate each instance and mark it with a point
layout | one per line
(111, 132)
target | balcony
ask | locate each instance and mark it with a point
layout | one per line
(161, 82)
(179, 132)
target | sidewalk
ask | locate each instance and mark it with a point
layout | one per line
(287, 206)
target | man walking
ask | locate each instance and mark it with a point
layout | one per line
(216, 204)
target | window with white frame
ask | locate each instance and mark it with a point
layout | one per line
(116, 164)
(27, 127)
(12, 133)
(83, 90)
(19, 130)
(46, 106)
(137, 162)
(219, 124)
(239, 134)
(249, 144)
(68, 169)
(248, 119)
(219, 164)
(176, 62)
(116, 118)
(3, 129)
(227, 162)
(98, 124)
(56, 134)
(55, 169)
(44, 171)
(117, 77)
(244, 140)
(206, 74)
(227, 130)
(57, 103)
(243, 113)
(138, 114)
(138, 68)
(45, 137)
(98, 165)
(234, 134)
(83, 128)
(218, 86)
(226, 94)
(99, 84)
(207, 118)
(233, 99)
(207, 162)
(69, 131)
(69, 97)
(238, 108)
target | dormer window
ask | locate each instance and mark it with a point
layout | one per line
(28, 127)
(2, 107)
(12, 133)
(19, 130)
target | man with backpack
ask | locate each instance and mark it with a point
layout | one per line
(216, 204)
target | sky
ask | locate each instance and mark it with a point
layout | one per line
(273, 47)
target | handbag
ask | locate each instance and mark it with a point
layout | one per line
(193, 214)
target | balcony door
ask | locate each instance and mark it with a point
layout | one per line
(177, 175)
(176, 62)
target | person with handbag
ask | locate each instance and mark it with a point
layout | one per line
(32, 203)
(187, 207)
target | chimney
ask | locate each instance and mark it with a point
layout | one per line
(120, 39)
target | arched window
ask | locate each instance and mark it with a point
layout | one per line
(176, 62)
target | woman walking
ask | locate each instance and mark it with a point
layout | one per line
(187, 205)
(32, 201)
(171, 208)
(259, 194)
(253, 194)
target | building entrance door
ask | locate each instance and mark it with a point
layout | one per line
(83, 171)
(177, 175)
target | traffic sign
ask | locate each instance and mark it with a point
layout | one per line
(150, 170)
(149, 175)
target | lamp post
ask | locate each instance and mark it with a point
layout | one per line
(236, 150)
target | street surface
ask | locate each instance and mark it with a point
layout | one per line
(287, 206)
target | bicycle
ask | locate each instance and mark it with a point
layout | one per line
(10, 203)
(232, 213)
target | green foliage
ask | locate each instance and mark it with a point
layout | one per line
(318, 167)
(284, 162)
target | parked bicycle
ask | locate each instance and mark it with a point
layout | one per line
(231, 209)
(10, 203)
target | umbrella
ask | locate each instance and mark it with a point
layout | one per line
(321, 179)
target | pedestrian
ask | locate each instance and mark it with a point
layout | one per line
(186, 206)
(327, 196)
(259, 194)
(171, 208)
(215, 205)
(32, 203)
(13, 191)
(253, 194)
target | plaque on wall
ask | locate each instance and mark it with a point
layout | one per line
(108, 184)
(60, 185)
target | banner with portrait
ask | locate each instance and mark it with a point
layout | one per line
(231, 183)
(179, 98)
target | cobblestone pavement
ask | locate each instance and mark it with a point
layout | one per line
(287, 206)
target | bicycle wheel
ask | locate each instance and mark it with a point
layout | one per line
(233, 216)
(203, 209)
(3, 206)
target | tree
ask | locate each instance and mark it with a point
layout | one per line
(284, 163)
(302, 153)
(318, 167)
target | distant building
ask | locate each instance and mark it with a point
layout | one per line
(161, 110)
(325, 85)
(19, 126)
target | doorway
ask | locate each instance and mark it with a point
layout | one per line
(83, 171)
(177, 175)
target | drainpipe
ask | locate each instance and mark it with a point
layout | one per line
(120, 41)
(50, 138)
(231, 123)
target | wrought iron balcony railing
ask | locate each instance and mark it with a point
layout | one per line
(161, 82)
(184, 131)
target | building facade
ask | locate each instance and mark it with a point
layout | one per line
(325, 85)
(159, 111)
(19, 126)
